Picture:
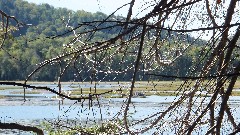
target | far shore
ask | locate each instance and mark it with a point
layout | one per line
(147, 88)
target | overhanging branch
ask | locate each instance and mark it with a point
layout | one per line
(21, 127)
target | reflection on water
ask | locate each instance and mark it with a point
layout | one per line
(26, 113)
(35, 108)
(41, 107)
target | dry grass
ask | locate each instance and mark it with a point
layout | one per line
(10, 87)
(161, 88)
(26, 92)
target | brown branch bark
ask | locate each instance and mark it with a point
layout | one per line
(134, 78)
(21, 127)
(225, 100)
(230, 49)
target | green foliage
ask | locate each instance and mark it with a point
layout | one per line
(104, 128)
(34, 44)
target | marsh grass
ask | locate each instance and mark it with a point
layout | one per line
(161, 88)
(88, 91)
(235, 93)
(26, 92)
(2, 87)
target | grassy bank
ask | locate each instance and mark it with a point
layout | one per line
(119, 89)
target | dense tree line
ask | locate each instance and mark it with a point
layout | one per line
(44, 33)
(96, 48)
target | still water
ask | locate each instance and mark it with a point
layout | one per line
(42, 107)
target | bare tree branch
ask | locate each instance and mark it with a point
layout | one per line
(21, 127)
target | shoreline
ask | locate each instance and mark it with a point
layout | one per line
(160, 88)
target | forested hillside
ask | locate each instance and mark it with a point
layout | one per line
(44, 32)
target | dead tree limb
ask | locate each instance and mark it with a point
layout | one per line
(38, 131)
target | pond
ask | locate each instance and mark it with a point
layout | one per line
(42, 107)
